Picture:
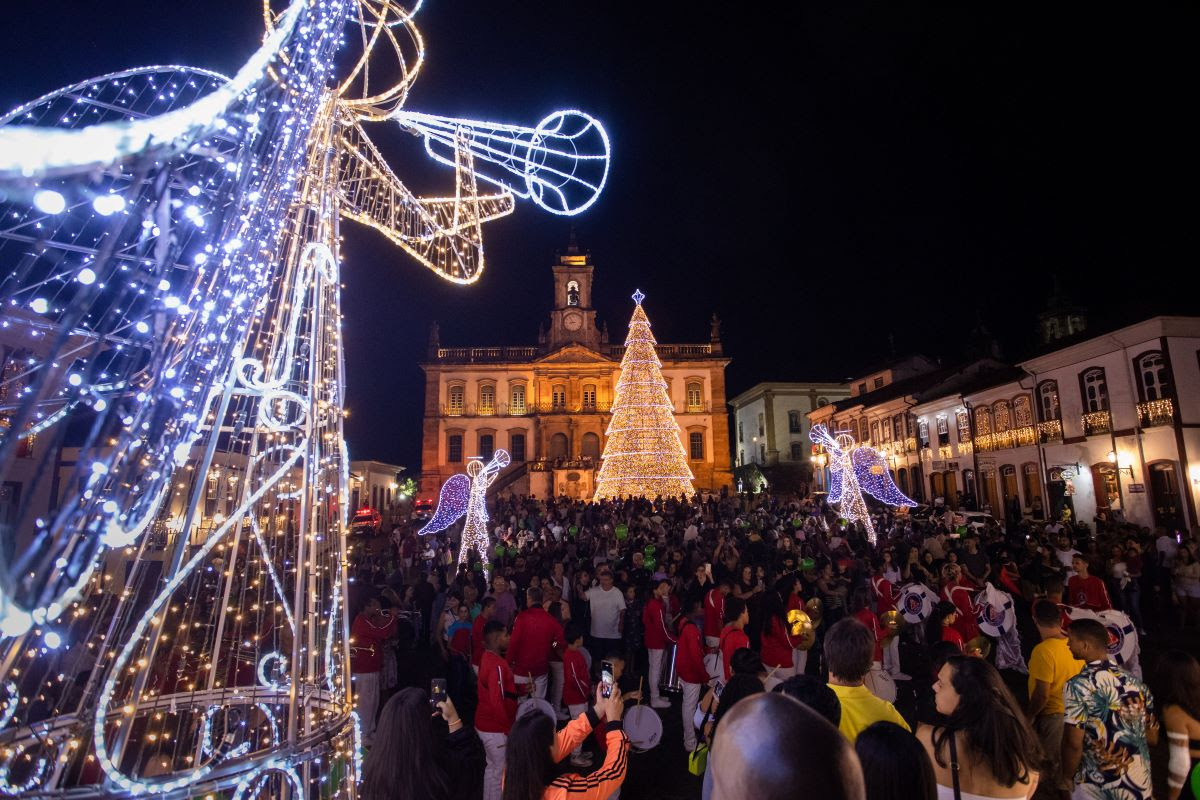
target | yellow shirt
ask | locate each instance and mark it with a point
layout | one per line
(861, 709)
(1052, 662)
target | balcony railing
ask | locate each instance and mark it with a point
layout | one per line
(595, 407)
(1096, 423)
(1050, 431)
(547, 464)
(1156, 412)
(487, 353)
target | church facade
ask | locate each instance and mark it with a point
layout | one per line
(548, 404)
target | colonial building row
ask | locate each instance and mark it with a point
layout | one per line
(548, 404)
(1102, 425)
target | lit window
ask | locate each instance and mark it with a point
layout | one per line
(517, 406)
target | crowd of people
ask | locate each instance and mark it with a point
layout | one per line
(759, 624)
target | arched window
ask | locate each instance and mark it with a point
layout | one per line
(455, 405)
(1095, 390)
(793, 422)
(923, 433)
(696, 446)
(983, 421)
(1008, 483)
(558, 445)
(1152, 376)
(487, 399)
(1002, 416)
(875, 431)
(885, 430)
(943, 430)
(572, 293)
(590, 446)
(558, 397)
(517, 404)
(963, 423)
(797, 451)
(1048, 400)
(898, 428)
(589, 397)
(487, 446)
(854, 429)
(1022, 411)
(695, 396)
(516, 446)
(863, 429)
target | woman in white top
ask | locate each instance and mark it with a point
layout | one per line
(986, 749)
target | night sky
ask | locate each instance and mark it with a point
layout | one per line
(824, 179)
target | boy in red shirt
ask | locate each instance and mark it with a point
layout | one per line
(535, 634)
(371, 628)
(577, 684)
(733, 637)
(1084, 590)
(689, 663)
(497, 705)
(714, 612)
(658, 636)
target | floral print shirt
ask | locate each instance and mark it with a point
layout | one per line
(1115, 711)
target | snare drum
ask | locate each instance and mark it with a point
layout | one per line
(643, 727)
(669, 680)
(534, 705)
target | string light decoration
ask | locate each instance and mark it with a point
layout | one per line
(467, 494)
(855, 469)
(173, 578)
(643, 452)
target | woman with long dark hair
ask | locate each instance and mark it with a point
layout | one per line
(939, 627)
(777, 643)
(1177, 691)
(421, 754)
(985, 748)
(534, 751)
(894, 763)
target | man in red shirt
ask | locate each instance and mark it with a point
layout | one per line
(658, 635)
(497, 705)
(535, 634)
(885, 600)
(689, 663)
(486, 610)
(577, 684)
(371, 628)
(714, 612)
(733, 637)
(1085, 590)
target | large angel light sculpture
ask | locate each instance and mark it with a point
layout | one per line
(467, 494)
(855, 469)
(172, 391)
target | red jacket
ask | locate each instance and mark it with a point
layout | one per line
(477, 639)
(577, 683)
(366, 650)
(865, 616)
(497, 695)
(881, 590)
(689, 654)
(714, 613)
(777, 644)
(654, 621)
(732, 639)
(962, 594)
(534, 634)
(1087, 592)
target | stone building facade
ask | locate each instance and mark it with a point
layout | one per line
(548, 404)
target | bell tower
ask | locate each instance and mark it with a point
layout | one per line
(573, 320)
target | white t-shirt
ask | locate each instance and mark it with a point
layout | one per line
(606, 612)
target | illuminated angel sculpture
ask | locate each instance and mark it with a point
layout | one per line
(467, 494)
(172, 394)
(855, 469)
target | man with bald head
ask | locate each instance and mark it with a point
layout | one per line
(773, 747)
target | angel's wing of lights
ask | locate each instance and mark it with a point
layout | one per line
(453, 501)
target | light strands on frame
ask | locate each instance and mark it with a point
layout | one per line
(467, 495)
(643, 452)
(855, 469)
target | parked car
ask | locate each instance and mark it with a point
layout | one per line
(366, 522)
(422, 509)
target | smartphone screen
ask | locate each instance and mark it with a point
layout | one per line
(437, 691)
(606, 679)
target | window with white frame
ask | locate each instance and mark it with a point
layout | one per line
(517, 403)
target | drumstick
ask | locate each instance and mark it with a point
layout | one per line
(639, 700)
(772, 672)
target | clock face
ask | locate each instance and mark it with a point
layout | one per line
(572, 322)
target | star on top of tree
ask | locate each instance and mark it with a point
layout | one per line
(638, 297)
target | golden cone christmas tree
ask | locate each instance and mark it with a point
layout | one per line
(643, 455)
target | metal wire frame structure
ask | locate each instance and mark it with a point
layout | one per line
(173, 475)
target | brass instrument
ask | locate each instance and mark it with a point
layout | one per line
(802, 626)
(814, 608)
(893, 623)
(980, 647)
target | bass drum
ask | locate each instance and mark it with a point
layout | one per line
(644, 728)
(916, 603)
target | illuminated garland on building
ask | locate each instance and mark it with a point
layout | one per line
(855, 469)
(171, 295)
(643, 452)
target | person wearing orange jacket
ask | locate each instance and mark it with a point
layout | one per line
(659, 634)
(534, 749)
(497, 705)
(689, 663)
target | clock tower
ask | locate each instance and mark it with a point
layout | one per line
(573, 320)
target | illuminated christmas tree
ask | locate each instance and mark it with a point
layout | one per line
(643, 455)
